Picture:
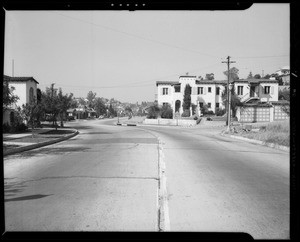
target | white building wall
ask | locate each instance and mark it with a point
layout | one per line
(246, 90)
(20, 91)
(187, 80)
(164, 98)
(30, 84)
(273, 96)
(219, 97)
(207, 97)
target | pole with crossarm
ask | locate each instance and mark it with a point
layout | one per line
(228, 91)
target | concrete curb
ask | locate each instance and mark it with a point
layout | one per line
(259, 142)
(38, 145)
(121, 124)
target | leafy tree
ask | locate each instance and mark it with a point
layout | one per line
(250, 76)
(233, 74)
(31, 112)
(210, 76)
(257, 76)
(166, 111)
(91, 99)
(284, 94)
(267, 76)
(38, 95)
(100, 107)
(204, 109)
(74, 103)
(112, 111)
(82, 101)
(279, 79)
(49, 103)
(234, 100)
(128, 111)
(63, 104)
(187, 97)
(8, 97)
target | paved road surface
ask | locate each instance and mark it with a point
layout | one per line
(109, 178)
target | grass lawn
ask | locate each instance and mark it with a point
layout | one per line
(58, 131)
(36, 138)
(276, 132)
(7, 147)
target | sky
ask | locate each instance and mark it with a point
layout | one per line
(121, 54)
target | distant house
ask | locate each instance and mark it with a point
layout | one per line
(284, 74)
(25, 89)
(265, 90)
(209, 92)
(82, 112)
(252, 92)
(203, 92)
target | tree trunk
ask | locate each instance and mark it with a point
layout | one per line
(61, 121)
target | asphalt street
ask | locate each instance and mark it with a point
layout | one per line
(149, 178)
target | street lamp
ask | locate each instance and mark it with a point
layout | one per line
(229, 106)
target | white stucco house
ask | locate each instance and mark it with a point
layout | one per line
(25, 89)
(209, 92)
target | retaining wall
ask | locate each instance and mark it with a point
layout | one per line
(175, 122)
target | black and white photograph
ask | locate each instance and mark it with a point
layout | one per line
(148, 120)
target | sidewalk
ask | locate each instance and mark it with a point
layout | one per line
(8, 136)
(15, 143)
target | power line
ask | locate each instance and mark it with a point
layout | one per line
(166, 44)
(133, 84)
(254, 57)
(137, 36)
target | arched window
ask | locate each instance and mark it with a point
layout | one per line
(31, 94)
(177, 105)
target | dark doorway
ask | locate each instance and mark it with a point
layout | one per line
(177, 105)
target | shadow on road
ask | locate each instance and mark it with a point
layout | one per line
(50, 151)
(31, 197)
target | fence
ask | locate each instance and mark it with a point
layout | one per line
(252, 114)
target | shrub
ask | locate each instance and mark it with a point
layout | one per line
(6, 128)
(153, 112)
(166, 112)
(186, 113)
(220, 112)
(21, 127)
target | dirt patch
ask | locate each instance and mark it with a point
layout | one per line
(276, 132)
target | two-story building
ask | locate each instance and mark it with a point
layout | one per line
(25, 89)
(203, 92)
(209, 92)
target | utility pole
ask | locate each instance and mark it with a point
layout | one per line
(228, 92)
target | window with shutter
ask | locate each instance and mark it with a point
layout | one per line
(204, 90)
